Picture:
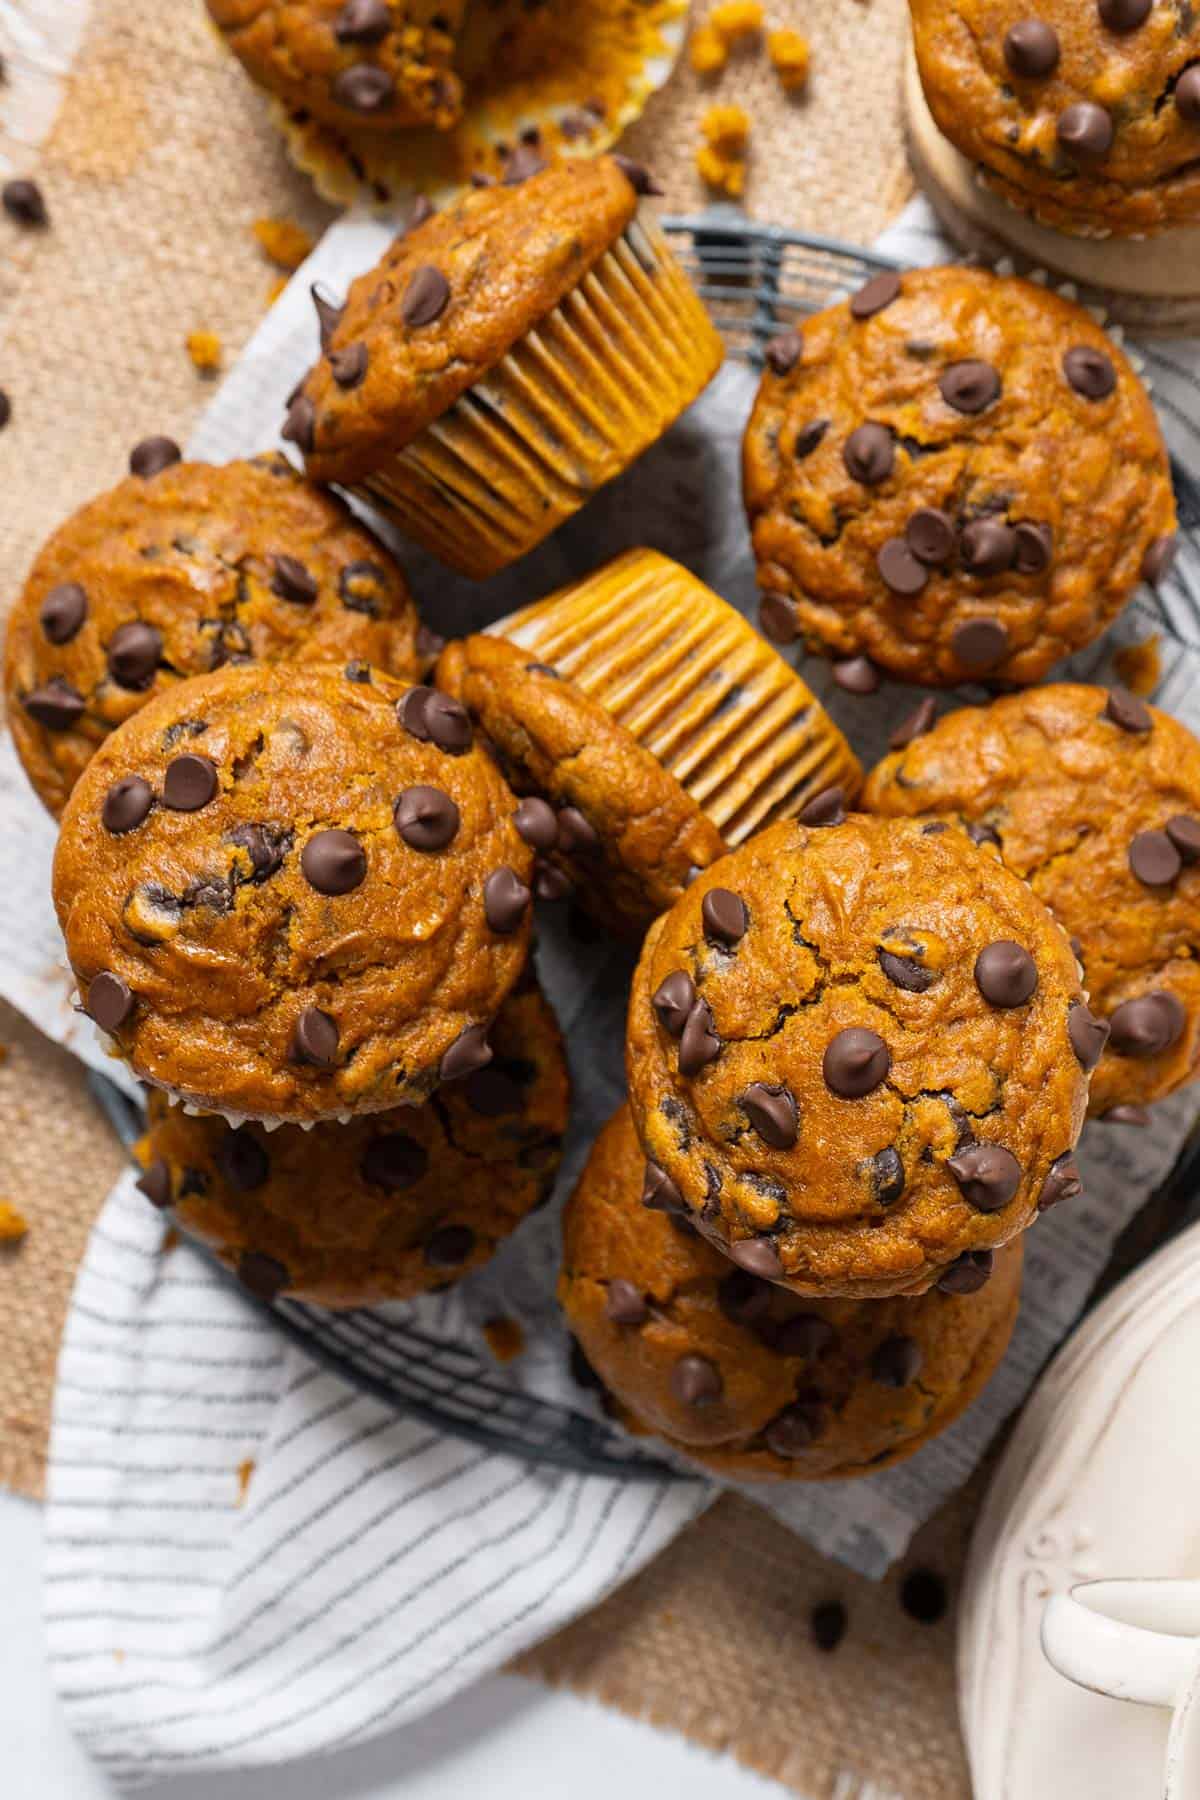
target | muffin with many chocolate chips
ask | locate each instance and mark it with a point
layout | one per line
(746, 1378)
(385, 1207)
(182, 568)
(295, 893)
(1093, 797)
(375, 65)
(854, 1056)
(1085, 113)
(956, 475)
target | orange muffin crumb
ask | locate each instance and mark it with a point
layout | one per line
(282, 242)
(734, 19)
(505, 1338)
(1139, 666)
(13, 1225)
(788, 52)
(721, 159)
(204, 348)
(245, 1472)
(708, 51)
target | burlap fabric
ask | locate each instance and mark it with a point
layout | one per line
(158, 164)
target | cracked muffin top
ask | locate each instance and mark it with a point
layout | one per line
(1084, 112)
(741, 1375)
(1094, 798)
(368, 65)
(294, 893)
(856, 1055)
(956, 474)
(175, 572)
(387, 1206)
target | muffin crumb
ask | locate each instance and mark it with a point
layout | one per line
(245, 1473)
(1139, 666)
(13, 1224)
(721, 158)
(505, 1338)
(204, 348)
(708, 51)
(788, 51)
(282, 242)
(734, 19)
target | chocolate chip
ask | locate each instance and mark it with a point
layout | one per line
(900, 569)
(315, 1038)
(869, 454)
(1088, 1036)
(724, 916)
(673, 1000)
(1063, 1182)
(897, 1362)
(506, 900)
(126, 804)
(827, 1624)
(1086, 132)
(469, 1051)
(1148, 1025)
(190, 782)
(1184, 833)
(426, 818)
(349, 365)
(363, 88)
(857, 675)
(333, 862)
(744, 1297)
(855, 1063)
(1089, 371)
(265, 845)
(638, 176)
(109, 1001)
(698, 1042)
(24, 202)
(1139, 1116)
(1187, 95)
(659, 1192)
(1126, 710)
(806, 1335)
(875, 294)
(394, 1162)
(153, 455)
(970, 386)
(918, 722)
(242, 1161)
(808, 436)
(777, 616)
(63, 611)
(1154, 859)
(756, 1256)
(435, 718)
(551, 884)
(426, 297)
(967, 1273)
(696, 1381)
(133, 653)
(329, 314)
(536, 823)
(988, 547)
(625, 1304)
(979, 644)
(791, 1432)
(522, 165)
(155, 1183)
(887, 1175)
(980, 833)
(906, 972)
(923, 1596)
(362, 22)
(1034, 547)
(784, 352)
(55, 705)
(1005, 974)
(1124, 15)
(772, 1111)
(1161, 553)
(292, 581)
(988, 1175)
(826, 808)
(576, 834)
(929, 534)
(544, 669)
(300, 425)
(1031, 49)
(262, 1275)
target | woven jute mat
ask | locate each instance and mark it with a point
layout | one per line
(158, 163)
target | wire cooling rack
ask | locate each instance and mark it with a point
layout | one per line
(755, 279)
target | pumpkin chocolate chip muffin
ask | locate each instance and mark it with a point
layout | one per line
(1094, 798)
(746, 1378)
(648, 727)
(376, 65)
(1085, 113)
(506, 358)
(387, 1206)
(294, 893)
(854, 1056)
(956, 475)
(181, 568)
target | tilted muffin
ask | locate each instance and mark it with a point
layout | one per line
(294, 893)
(650, 727)
(181, 568)
(1085, 114)
(746, 1378)
(375, 65)
(1095, 799)
(956, 474)
(506, 358)
(388, 1206)
(853, 1055)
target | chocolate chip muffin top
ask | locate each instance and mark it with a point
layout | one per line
(749, 1379)
(601, 810)
(1095, 799)
(293, 893)
(1085, 112)
(384, 1207)
(446, 303)
(854, 1055)
(956, 474)
(178, 571)
(366, 65)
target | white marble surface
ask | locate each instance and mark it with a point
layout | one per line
(505, 1738)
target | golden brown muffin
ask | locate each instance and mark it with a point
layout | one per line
(745, 1377)
(294, 893)
(387, 1206)
(956, 474)
(1086, 115)
(1095, 799)
(177, 571)
(507, 357)
(852, 1055)
(374, 65)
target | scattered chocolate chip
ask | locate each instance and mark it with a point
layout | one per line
(1126, 710)
(698, 1042)
(827, 1625)
(756, 1256)
(875, 294)
(724, 916)
(552, 884)
(659, 1192)
(826, 808)
(696, 1381)
(1154, 860)
(109, 1001)
(900, 569)
(918, 722)
(242, 1161)
(923, 1596)
(292, 581)
(426, 818)
(1086, 131)
(153, 455)
(988, 1175)
(784, 352)
(1124, 15)
(808, 436)
(55, 705)
(522, 165)
(333, 862)
(979, 644)
(126, 804)
(576, 834)
(887, 1175)
(1089, 371)
(1031, 49)
(897, 1362)
(62, 612)
(394, 1162)
(363, 88)
(1005, 974)
(1148, 1025)
(777, 616)
(315, 1038)
(24, 202)
(1088, 1036)
(744, 1297)
(970, 386)
(638, 176)
(426, 297)
(190, 782)
(506, 900)
(1187, 95)
(1184, 833)
(1139, 1116)
(300, 425)
(349, 365)
(673, 1000)
(980, 833)
(362, 22)
(329, 314)
(855, 1063)
(1063, 1182)
(869, 454)
(772, 1111)
(625, 1304)
(806, 1335)
(133, 653)
(857, 675)
(361, 588)
(436, 718)
(262, 1275)
(536, 823)
(469, 1051)
(929, 535)
(265, 845)
(988, 547)
(791, 1432)
(906, 972)
(967, 1273)
(155, 1183)
(1034, 547)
